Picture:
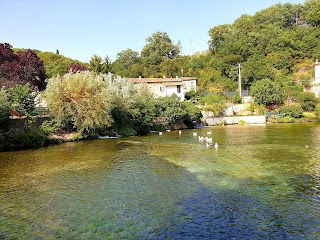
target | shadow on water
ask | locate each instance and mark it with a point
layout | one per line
(259, 184)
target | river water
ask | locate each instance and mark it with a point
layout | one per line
(261, 183)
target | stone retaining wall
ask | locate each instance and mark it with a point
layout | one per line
(19, 123)
(235, 120)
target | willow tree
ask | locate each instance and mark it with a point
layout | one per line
(80, 100)
(133, 107)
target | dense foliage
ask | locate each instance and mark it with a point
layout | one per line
(170, 110)
(132, 106)
(20, 68)
(27, 138)
(4, 110)
(99, 65)
(294, 111)
(274, 50)
(267, 92)
(80, 100)
(21, 99)
(89, 102)
(308, 101)
(279, 43)
(56, 64)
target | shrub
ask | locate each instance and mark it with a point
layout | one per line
(267, 92)
(2, 142)
(252, 107)
(310, 116)
(214, 98)
(286, 119)
(241, 122)
(308, 101)
(170, 109)
(190, 94)
(4, 111)
(236, 99)
(222, 123)
(261, 110)
(81, 99)
(317, 111)
(294, 111)
(21, 98)
(50, 126)
(29, 138)
(193, 112)
(218, 109)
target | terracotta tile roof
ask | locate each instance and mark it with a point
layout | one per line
(161, 80)
(172, 83)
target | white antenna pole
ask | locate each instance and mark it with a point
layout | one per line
(239, 80)
(191, 47)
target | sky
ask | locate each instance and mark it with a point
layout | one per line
(81, 28)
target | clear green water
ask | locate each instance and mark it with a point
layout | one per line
(261, 183)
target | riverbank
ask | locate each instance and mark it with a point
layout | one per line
(213, 121)
(156, 187)
(35, 138)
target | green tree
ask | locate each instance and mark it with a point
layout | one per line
(56, 64)
(190, 94)
(21, 99)
(4, 111)
(126, 63)
(317, 111)
(170, 109)
(99, 65)
(311, 12)
(132, 106)
(219, 35)
(143, 110)
(294, 111)
(308, 101)
(193, 112)
(159, 47)
(81, 100)
(267, 92)
(170, 68)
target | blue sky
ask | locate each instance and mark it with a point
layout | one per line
(81, 28)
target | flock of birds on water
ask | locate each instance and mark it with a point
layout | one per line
(207, 140)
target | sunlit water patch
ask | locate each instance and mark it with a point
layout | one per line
(261, 182)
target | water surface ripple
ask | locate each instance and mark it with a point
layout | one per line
(261, 183)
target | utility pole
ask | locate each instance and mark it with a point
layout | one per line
(239, 80)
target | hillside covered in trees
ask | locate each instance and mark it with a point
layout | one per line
(280, 43)
(276, 49)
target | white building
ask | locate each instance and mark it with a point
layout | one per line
(316, 83)
(163, 87)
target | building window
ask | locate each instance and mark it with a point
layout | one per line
(178, 89)
(161, 89)
(192, 85)
(185, 86)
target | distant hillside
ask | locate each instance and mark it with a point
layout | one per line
(279, 43)
(55, 64)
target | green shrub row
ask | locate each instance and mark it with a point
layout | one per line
(28, 138)
(294, 111)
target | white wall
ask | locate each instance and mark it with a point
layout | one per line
(317, 74)
(235, 120)
(173, 89)
(191, 85)
(169, 90)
